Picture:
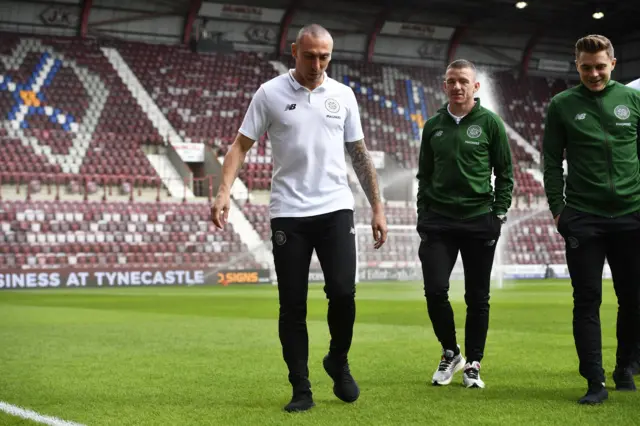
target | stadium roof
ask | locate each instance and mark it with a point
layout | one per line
(551, 18)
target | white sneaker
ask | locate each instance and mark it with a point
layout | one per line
(471, 376)
(449, 365)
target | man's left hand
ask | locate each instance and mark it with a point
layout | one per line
(379, 228)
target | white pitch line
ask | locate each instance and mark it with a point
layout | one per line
(14, 410)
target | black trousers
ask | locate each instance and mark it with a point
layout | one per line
(332, 235)
(589, 240)
(441, 240)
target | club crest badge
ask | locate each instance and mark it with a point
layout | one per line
(280, 238)
(332, 105)
(622, 112)
(474, 131)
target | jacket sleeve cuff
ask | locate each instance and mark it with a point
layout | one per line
(556, 210)
(421, 211)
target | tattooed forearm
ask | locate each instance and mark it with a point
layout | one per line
(365, 170)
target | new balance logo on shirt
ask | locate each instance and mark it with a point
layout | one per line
(290, 107)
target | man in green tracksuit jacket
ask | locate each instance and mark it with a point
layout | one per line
(598, 212)
(458, 211)
(635, 365)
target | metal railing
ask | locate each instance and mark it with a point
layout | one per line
(62, 186)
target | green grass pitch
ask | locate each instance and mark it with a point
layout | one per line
(211, 356)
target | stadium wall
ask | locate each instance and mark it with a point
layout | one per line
(405, 38)
(38, 18)
(66, 278)
(246, 36)
(159, 26)
(628, 55)
(493, 51)
(411, 39)
(133, 20)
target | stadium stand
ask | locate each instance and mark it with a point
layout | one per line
(54, 234)
(525, 101)
(68, 111)
(60, 97)
(204, 96)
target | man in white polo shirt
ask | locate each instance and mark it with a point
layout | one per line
(310, 119)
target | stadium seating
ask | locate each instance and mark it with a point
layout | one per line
(534, 240)
(525, 101)
(395, 102)
(67, 111)
(205, 96)
(55, 234)
(205, 102)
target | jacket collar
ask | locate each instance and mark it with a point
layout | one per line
(584, 89)
(475, 108)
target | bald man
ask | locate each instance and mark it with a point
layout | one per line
(310, 119)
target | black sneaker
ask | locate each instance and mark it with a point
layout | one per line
(623, 379)
(301, 401)
(344, 385)
(596, 394)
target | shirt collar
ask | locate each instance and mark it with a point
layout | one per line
(297, 86)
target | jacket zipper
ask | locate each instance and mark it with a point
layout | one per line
(458, 199)
(608, 146)
(459, 126)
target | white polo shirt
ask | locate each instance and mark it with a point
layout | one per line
(308, 130)
(635, 84)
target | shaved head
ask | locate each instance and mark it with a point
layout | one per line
(461, 85)
(312, 52)
(460, 64)
(313, 30)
